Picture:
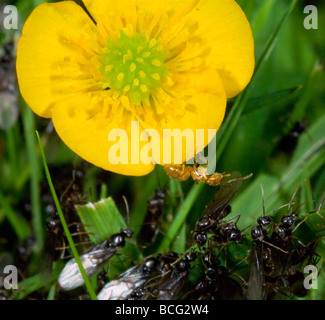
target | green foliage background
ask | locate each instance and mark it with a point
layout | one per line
(289, 87)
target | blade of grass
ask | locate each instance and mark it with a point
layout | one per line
(65, 226)
(34, 161)
(36, 282)
(181, 215)
(176, 191)
(28, 286)
(51, 294)
(308, 92)
(101, 219)
(19, 224)
(12, 153)
(177, 195)
(103, 191)
(138, 212)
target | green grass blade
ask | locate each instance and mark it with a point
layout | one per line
(51, 294)
(35, 165)
(283, 97)
(65, 226)
(308, 92)
(181, 215)
(101, 219)
(139, 209)
(29, 285)
(12, 153)
(19, 224)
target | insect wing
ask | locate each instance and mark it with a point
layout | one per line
(255, 284)
(222, 197)
(71, 278)
(170, 288)
(123, 287)
(100, 256)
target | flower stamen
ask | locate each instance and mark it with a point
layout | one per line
(126, 54)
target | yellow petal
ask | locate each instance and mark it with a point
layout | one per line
(57, 55)
(220, 27)
(84, 123)
(203, 104)
(224, 26)
(113, 16)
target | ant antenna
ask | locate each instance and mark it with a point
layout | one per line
(236, 179)
(263, 204)
(127, 210)
(275, 210)
(299, 224)
(272, 245)
(311, 191)
(291, 200)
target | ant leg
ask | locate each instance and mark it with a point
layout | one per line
(272, 245)
(299, 224)
(237, 179)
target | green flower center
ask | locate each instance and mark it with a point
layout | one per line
(133, 66)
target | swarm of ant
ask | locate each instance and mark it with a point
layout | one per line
(270, 262)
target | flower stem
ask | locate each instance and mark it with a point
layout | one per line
(33, 157)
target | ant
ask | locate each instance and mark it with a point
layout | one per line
(218, 209)
(198, 174)
(155, 208)
(127, 282)
(217, 283)
(102, 279)
(172, 283)
(172, 277)
(289, 142)
(71, 278)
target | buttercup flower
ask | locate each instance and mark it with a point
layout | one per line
(168, 64)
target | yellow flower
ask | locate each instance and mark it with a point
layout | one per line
(165, 63)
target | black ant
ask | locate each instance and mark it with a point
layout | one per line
(172, 283)
(218, 209)
(152, 221)
(217, 283)
(71, 278)
(126, 283)
(172, 274)
(289, 142)
(102, 279)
